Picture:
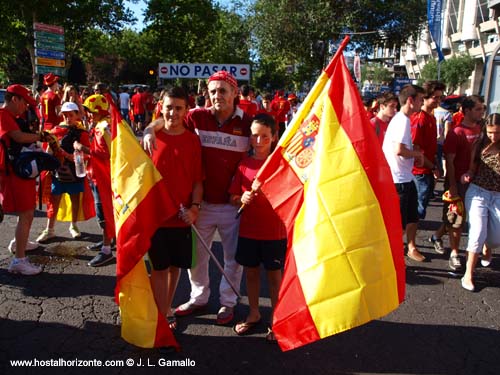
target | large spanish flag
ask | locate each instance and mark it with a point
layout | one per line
(329, 182)
(141, 201)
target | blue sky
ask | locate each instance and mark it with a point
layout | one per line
(139, 7)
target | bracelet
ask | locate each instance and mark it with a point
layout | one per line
(196, 204)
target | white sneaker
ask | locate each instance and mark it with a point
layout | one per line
(30, 245)
(24, 267)
(45, 235)
(74, 231)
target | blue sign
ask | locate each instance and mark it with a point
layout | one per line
(434, 16)
(58, 55)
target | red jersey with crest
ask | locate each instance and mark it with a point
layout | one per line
(223, 147)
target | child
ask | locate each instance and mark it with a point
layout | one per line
(65, 180)
(177, 157)
(99, 172)
(262, 236)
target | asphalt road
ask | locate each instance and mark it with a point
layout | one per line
(68, 313)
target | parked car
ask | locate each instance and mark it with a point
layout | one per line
(2, 96)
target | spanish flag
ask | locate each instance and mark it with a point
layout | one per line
(141, 201)
(329, 182)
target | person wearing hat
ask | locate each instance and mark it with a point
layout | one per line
(294, 106)
(50, 102)
(224, 131)
(65, 179)
(99, 172)
(281, 107)
(18, 195)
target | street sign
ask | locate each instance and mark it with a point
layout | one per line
(49, 37)
(49, 45)
(49, 62)
(49, 69)
(180, 70)
(37, 26)
(58, 55)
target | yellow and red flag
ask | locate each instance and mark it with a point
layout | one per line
(141, 201)
(329, 182)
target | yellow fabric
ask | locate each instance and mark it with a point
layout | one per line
(138, 309)
(64, 212)
(340, 242)
(134, 175)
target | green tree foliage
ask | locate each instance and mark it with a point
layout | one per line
(17, 17)
(302, 31)
(455, 71)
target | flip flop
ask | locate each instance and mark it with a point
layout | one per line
(245, 327)
(270, 338)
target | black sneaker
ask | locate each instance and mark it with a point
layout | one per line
(438, 245)
(95, 246)
(101, 259)
(99, 245)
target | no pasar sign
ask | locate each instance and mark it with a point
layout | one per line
(178, 70)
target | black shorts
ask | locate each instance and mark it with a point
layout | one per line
(140, 118)
(408, 202)
(171, 247)
(251, 253)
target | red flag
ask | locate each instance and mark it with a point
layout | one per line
(141, 202)
(329, 182)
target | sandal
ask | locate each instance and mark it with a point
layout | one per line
(244, 328)
(270, 338)
(172, 322)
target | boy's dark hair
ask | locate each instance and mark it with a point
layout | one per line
(245, 90)
(386, 97)
(266, 120)
(409, 91)
(470, 102)
(200, 101)
(267, 96)
(177, 93)
(431, 86)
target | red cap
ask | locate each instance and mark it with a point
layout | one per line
(222, 75)
(22, 92)
(49, 79)
(291, 96)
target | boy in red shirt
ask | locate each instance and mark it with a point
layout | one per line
(262, 235)
(50, 102)
(424, 137)
(177, 157)
(388, 107)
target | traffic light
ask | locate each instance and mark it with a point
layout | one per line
(151, 72)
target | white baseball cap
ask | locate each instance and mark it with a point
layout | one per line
(69, 106)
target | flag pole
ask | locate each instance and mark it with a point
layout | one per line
(212, 255)
(215, 260)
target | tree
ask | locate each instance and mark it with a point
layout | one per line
(305, 31)
(455, 71)
(17, 18)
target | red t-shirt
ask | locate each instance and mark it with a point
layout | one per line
(380, 127)
(138, 104)
(250, 108)
(178, 159)
(49, 102)
(16, 194)
(280, 106)
(223, 147)
(457, 119)
(459, 141)
(424, 134)
(258, 221)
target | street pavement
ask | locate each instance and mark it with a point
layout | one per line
(68, 313)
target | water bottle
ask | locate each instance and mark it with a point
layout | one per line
(79, 164)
